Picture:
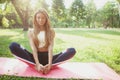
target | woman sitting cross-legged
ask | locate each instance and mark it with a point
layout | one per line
(41, 40)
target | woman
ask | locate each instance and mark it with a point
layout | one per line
(41, 40)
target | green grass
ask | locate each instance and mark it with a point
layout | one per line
(92, 45)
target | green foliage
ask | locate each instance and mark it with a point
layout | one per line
(11, 17)
(118, 1)
(58, 9)
(5, 22)
(2, 1)
(9, 9)
(77, 11)
(78, 15)
(110, 12)
(1, 17)
(90, 11)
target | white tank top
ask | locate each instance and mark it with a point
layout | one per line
(41, 38)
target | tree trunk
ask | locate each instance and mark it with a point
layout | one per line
(25, 20)
(1, 17)
(119, 12)
(22, 14)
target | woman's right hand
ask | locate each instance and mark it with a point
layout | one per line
(39, 67)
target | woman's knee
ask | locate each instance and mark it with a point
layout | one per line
(72, 51)
(13, 45)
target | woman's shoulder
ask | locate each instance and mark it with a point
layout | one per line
(30, 32)
(53, 32)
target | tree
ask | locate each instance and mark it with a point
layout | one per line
(110, 13)
(1, 17)
(90, 10)
(77, 11)
(3, 1)
(23, 11)
(119, 7)
(1, 10)
(58, 10)
(7, 12)
(119, 10)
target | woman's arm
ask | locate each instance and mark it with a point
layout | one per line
(50, 52)
(50, 48)
(50, 56)
(34, 50)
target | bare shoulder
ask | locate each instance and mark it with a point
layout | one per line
(30, 32)
(53, 32)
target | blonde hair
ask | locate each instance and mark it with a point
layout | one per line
(48, 30)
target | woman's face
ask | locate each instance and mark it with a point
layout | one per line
(41, 19)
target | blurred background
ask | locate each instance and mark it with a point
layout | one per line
(63, 13)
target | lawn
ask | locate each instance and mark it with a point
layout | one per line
(92, 45)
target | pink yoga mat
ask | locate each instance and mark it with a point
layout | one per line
(75, 70)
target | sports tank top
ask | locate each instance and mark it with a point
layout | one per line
(41, 38)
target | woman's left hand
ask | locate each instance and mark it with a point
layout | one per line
(47, 68)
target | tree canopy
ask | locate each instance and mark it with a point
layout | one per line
(19, 13)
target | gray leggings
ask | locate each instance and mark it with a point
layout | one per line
(19, 51)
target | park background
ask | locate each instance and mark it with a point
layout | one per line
(92, 29)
